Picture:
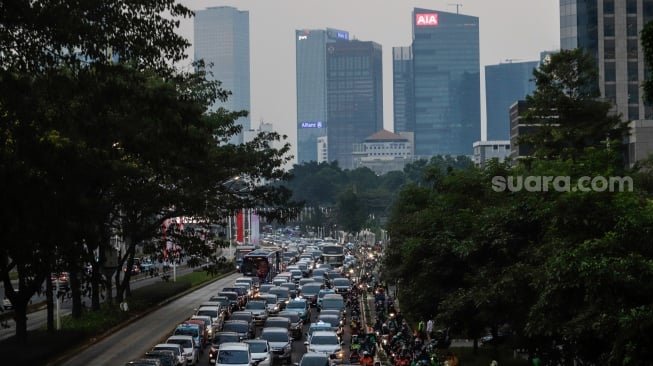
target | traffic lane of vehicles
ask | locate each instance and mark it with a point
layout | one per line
(132, 341)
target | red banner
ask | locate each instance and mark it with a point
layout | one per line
(240, 228)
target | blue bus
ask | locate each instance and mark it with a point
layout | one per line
(262, 263)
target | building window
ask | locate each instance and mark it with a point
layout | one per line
(611, 92)
(608, 49)
(633, 94)
(608, 26)
(632, 71)
(631, 26)
(631, 6)
(633, 113)
(610, 71)
(648, 10)
(608, 6)
(632, 48)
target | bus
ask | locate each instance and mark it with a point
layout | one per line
(241, 250)
(333, 254)
(262, 263)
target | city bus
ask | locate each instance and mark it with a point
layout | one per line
(333, 254)
(262, 263)
(241, 250)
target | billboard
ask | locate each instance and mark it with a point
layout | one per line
(426, 19)
(312, 124)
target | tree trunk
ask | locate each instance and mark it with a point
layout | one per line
(75, 288)
(119, 291)
(96, 277)
(50, 301)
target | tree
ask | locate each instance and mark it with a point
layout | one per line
(567, 110)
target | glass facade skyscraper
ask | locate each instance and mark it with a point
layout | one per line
(446, 83)
(402, 87)
(221, 38)
(354, 96)
(505, 84)
(311, 47)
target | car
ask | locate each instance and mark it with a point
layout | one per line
(326, 342)
(210, 329)
(194, 330)
(280, 342)
(244, 329)
(292, 289)
(245, 315)
(259, 310)
(310, 291)
(332, 301)
(234, 299)
(283, 295)
(296, 323)
(241, 291)
(333, 320)
(233, 354)
(261, 351)
(314, 359)
(341, 285)
(321, 294)
(215, 312)
(218, 340)
(264, 288)
(224, 303)
(144, 362)
(271, 302)
(6, 304)
(167, 358)
(277, 321)
(175, 348)
(319, 326)
(302, 307)
(187, 342)
(62, 279)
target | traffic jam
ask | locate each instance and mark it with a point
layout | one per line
(292, 304)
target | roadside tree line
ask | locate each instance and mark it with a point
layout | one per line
(569, 272)
(101, 135)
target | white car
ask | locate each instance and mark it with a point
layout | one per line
(326, 342)
(260, 351)
(187, 343)
(233, 354)
(176, 348)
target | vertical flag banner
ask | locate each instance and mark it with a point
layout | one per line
(255, 229)
(240, 229)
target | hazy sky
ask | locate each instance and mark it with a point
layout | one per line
(509, 29)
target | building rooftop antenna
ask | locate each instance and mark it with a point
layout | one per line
(457, 5)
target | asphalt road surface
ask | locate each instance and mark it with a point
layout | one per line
(132, 341)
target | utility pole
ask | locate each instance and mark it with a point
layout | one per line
(458, 6)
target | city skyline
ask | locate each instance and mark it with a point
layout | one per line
(509, 30)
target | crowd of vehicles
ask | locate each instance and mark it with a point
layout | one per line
(275, 302)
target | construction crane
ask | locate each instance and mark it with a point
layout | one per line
(457, 5)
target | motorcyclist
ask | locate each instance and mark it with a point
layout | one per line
(367, 359)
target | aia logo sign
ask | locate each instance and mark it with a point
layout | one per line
(426, 19)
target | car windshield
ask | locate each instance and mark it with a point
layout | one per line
(167, 348)
(241, 316)
(311, 289)
(204, 312)
(324, 339)
(186, 343)
(186, 331)
(275, 336)
(293, 316)
(260, 305)
(314, 361)
(341, 282)
(233, 357)
(235, 327)
(258, 347)
(222, 338)
(332, 303)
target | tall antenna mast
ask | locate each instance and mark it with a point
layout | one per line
(458, 6)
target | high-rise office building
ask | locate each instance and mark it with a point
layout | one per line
(505, 84)
(221, 38)
(311, 47)
(402, 88)
(445, 83)
(610, 31)
(354, 96)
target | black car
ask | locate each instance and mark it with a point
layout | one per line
(296, 323)
(244, 329)
(218, 339)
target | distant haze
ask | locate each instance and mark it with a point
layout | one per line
(515, 30)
